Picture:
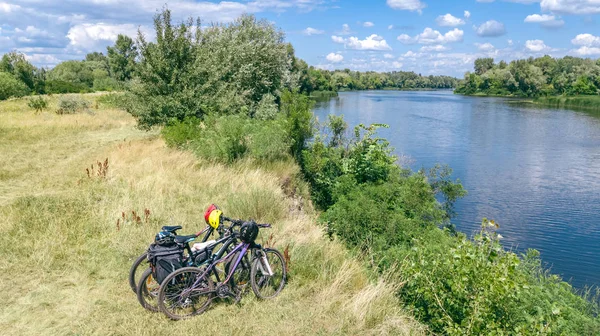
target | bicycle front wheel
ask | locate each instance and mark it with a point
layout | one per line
(268, 274)
(147, 291)
(185, 293)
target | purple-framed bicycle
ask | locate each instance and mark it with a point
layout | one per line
(189, 291)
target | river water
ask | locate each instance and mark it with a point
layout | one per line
(534, 170)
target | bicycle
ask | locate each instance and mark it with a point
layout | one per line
(147, 287)
(134, 271)
(189, 291)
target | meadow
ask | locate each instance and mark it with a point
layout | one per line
(82, 195)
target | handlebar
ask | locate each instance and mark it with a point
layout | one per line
(235, 222)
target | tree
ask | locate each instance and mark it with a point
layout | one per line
(121, 58)
(170, 87)
(482, 65)
(16, 64)
(11, 87)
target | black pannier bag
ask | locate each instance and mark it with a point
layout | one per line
(164, 260)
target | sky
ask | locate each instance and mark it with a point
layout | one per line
(440, 37)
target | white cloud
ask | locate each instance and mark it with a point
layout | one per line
(449, 21)
(409, 5)
(431, 36)
(581, 7)
(510, 42)
(368, 24)
(312, 31)
(467, 14)
(536, 18)
(88, 36)
(485, 46)
(391, 27)
(396, 64)
(491, 28)
(388, 56)
(587, 40)
(586, 51)
(334, 58)
(405, 39)
(373, 42)
(410, 54)
(345, 30)
(8, 8)
(437, 48)
(536, 46)
(547, 21)
(337, 39)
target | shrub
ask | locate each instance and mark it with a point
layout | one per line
(72, 104)
(230, 138)
(37, 103)
(11, 87)
(115, 100)
(60, 86)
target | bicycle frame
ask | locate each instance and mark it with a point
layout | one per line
(243, 247)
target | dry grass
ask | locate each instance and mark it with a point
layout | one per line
(65, 261)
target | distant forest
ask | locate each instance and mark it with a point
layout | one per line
(533, 77)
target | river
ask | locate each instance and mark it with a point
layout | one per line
(534, 170)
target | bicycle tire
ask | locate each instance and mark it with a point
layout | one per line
(172, 294)
(133, 280)
(148, 298)
(259, 281)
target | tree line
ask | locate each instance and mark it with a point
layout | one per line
(125, 61)
(533, 77)
(314, 79)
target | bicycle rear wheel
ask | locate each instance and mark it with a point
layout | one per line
(185, 293)
(147, 291)
(265, 284)
(136, 271)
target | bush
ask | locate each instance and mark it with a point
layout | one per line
(72, 104)
(230, 138)
(11, 87)
(37, 103)
(115, 100)
(392, 218)
(60, 86)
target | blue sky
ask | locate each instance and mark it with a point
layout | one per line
(426, 36)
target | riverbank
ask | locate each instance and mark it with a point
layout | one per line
(581, 102)
(68, 256)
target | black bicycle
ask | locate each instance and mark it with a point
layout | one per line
(147, 288)
(135, 272)
(189, 291)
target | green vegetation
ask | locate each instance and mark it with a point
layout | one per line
(584, 102)
(38, 103)
(72, 104)
(390, 217)
(533, 77)
(69, 236)
(313, 79)
(252, 146)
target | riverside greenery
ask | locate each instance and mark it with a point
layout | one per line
(251, 108)
(533, 77)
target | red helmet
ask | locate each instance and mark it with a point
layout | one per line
(208, 211)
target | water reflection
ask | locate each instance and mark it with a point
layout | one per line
(535, 170)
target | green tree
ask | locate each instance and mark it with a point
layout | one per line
(11, 87)
(483, 64)
(170, 85)
(121, 58)
(16, 64)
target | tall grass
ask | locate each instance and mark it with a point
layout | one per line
(65, 259)
(584, 102)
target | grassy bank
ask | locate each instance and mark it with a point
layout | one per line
(583, 102)
(65, 260)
